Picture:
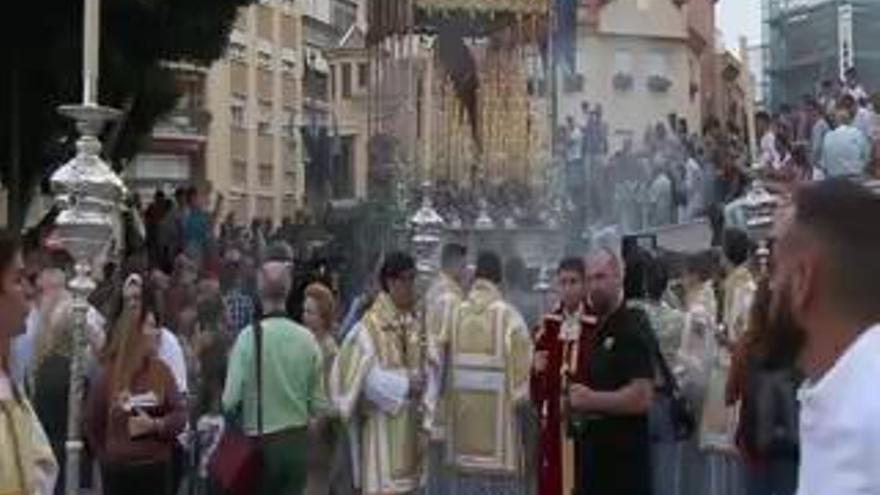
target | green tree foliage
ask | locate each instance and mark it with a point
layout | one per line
(42, 69)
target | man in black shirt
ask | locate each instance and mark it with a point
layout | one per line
(610, 412)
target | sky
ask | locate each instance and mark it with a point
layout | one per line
(737, 18)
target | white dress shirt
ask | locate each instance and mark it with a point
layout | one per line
(840, 424)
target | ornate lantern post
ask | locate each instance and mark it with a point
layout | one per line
(760, 208)
(544, 286)
(427, 234)
(484, 221)
(89, 194)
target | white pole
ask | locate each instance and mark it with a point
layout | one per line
(91, 50)
(750, 100)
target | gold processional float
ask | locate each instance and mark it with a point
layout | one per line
(459, 106)
(457, 101)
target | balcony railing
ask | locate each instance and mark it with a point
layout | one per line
(184, 123)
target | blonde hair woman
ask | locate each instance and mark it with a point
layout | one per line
(319, 316)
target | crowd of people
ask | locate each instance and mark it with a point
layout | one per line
(672, 175)
(651, 374)
(215, 364)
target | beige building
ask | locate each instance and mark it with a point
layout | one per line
(254, 94)
(348, 65)
(731, 91)
(634, 57)
(174, 156)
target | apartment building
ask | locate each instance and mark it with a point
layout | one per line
(175, 154)
(254, 94)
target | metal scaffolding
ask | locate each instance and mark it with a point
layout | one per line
(808, 41)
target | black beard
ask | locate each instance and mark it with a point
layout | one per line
(785, 338)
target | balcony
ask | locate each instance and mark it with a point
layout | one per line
(183, 124)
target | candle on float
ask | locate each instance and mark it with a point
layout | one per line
(91, 44)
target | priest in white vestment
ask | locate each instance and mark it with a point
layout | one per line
(490, 353)
(378, 384)
(441, 303)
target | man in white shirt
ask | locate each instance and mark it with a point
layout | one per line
(825, 314)
(864, 119)
(846, 150)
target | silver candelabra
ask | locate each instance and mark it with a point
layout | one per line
(90, 195)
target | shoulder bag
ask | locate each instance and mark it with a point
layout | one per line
(237, 464)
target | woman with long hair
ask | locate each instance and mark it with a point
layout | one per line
(135, 409)
(27, 465)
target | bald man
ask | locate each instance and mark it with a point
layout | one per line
(610, 411)
(292, 384)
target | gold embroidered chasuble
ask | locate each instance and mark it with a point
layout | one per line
(720, 421)
(442, 301)
(389, 456)
(490, 359)
(739, 292)
(27, 464)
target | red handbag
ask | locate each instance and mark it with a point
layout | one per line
(237, 463)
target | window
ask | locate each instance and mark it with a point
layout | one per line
(623, 62)
(264, 123)
(265, 205)
(239, 204)
(237, 51)
(239, 172)
(265, 84)
(265, 175)
(346, 80)
(264, 22)
(363, 75)
(238, 77)
(657, 63)
(238, 143)
(288, 87)
(288, 206)
(236, 109)
(288, 31)
(288, 121)
(237, 115)
(290, 180)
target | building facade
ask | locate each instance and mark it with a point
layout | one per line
(731, 91)
(349, 82)
(810, 41)
(175, 154)
(635, 58)
(702, 41)
(329, 143)
(254, 94)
